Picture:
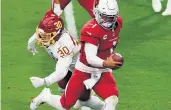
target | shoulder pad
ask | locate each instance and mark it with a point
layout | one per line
(91, 29)
(66, 40)
(66, 45)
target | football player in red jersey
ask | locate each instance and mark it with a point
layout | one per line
(99, 38)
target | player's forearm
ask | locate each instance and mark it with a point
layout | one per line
(91, 55)
(32, 39)
(55, 77)
(60, 73)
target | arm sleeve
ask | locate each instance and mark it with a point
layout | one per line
(91, 55)
(32, 39)
(61, 70)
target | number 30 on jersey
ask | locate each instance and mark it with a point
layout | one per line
(63, 51)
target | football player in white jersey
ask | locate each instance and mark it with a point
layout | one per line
(51, 35)
(57, 8)
(157, 6)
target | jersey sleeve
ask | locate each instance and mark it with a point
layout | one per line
(91, 55)
(32, 40)
(62, 67)
(88, 36)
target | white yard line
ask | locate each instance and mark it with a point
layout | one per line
(70, 20)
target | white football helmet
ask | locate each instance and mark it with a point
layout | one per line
(106, 12)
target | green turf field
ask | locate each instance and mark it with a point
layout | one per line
(144, 82)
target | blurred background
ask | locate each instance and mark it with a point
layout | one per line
(144, 81)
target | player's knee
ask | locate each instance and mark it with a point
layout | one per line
(67, 104)
(112, 100)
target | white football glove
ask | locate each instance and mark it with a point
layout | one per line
(31, 44)
(37, 82)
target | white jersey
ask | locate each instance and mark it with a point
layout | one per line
(66, 52)
(66, 46)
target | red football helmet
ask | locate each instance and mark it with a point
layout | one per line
(49, 30)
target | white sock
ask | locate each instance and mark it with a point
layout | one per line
(54, 101)
(94, 102)
(111, 103)
(157, 6)
(168, 4)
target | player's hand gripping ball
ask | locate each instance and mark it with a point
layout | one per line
(118, 57)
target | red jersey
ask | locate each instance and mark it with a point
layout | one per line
(106, 40)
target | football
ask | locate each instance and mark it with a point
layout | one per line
(118, 57)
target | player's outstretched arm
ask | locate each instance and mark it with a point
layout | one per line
(61, 71)
(31, 44)
(37, 82)
(62, 67)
